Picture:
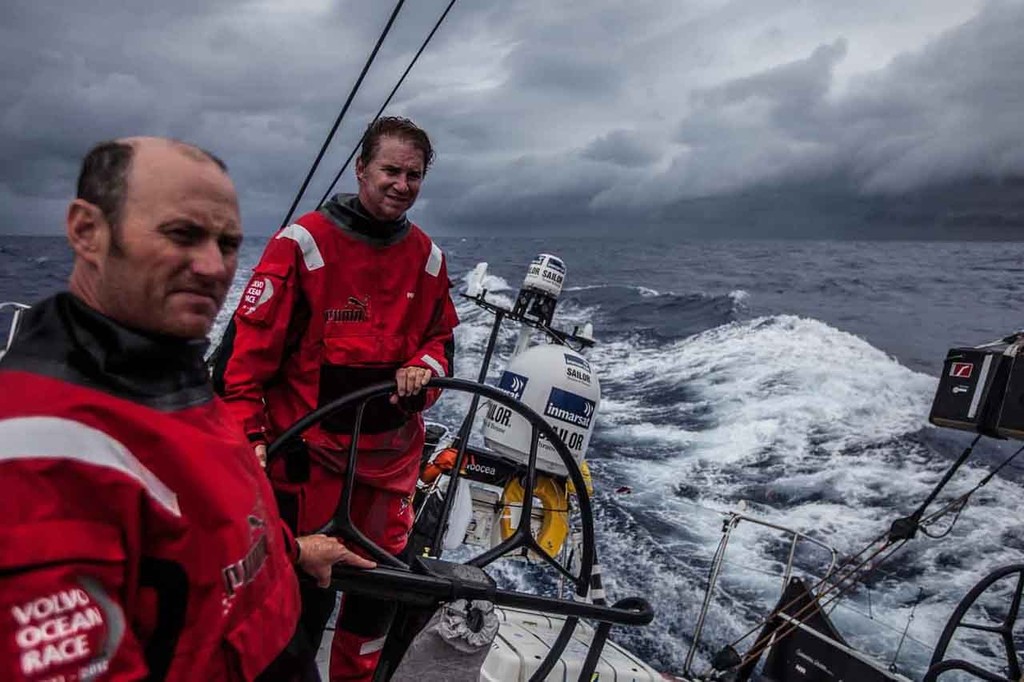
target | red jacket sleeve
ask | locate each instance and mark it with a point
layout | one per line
(437, 353)
(258, 334)
(65, 571)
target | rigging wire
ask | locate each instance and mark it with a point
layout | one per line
(760, 646)
(899, 647)
(811, 607)
(387, 101)
(840, 585)
(863, 569)
(839, 569)
(888, 538)
(344, 110)
(725, 514)
(875, 620)
(853, 574)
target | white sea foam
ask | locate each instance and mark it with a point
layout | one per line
(811, 426)
(739, 297)
(645, 292)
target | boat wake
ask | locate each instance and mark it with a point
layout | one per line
(801, 423)
(804, 425)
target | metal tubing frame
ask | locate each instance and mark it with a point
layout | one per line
(730, 524)
(716, 564)
(560, 337)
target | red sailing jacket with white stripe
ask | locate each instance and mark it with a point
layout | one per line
(139, 536)
(337, 302)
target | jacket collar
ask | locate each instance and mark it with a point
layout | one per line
(348, 213)
(64, 338)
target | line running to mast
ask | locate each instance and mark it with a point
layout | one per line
(344, 110)
(380, 111)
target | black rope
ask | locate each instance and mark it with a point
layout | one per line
(388, 100)
(905, 528)
(958, 506)
(890, 548)
(999, 468)
(341, 114)
(960, 503)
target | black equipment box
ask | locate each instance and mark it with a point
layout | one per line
(982, 390)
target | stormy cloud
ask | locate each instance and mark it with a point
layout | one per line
(545, 115)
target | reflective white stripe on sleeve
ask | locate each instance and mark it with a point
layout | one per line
(434, 262)
(56, 438)
(434, 365)
(373, 646)
(301, 236)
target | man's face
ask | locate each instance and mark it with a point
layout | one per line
(174, 255)
(390, 182)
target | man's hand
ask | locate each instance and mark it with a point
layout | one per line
(411, 381)
(317, 553)
(261, 454)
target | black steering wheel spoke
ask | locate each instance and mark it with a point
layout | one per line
(1012, 658)
(1014, 610)
(996, 629)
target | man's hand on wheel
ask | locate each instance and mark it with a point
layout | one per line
(318, 553)
(411, 381)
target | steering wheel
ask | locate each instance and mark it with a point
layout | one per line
(939, 663)
(430, 581)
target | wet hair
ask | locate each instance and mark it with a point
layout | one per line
(403, 129)
(104, 174)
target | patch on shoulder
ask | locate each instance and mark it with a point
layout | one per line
(67, 632)
(258, 293)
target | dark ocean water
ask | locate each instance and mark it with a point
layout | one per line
(794, 377)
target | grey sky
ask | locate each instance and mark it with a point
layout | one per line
(543, 113)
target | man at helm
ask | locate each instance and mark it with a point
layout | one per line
(349, 295)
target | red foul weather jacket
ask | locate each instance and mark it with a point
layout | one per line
(140, 537)
(337, 302)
